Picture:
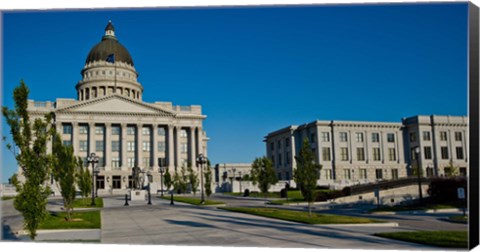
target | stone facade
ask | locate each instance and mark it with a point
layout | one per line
(361, 152)
(110, 119)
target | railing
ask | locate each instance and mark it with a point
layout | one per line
(388, 184)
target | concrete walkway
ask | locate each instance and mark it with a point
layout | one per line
(164, 224)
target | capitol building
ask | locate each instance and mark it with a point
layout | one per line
(109, 118)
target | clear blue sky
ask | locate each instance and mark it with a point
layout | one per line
(255, 70)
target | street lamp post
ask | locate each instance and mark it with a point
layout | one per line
(417, 156)
(93, 159)
(149, 193)
(161, 164)
(233, 176)
(240, 182)
(200, 161)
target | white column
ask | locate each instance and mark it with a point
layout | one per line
(170, 148)
(108, 146)
(91, 138)
(193, 152)
(123, 142)
(75, 138)
(177, 147)
(139, 149)
(154, 147)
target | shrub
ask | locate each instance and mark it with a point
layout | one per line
(445, 189)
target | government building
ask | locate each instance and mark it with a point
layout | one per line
(109, 118)
(361, 152)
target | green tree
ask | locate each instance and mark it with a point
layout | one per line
(30, 151)
(64, 165)
(84, 180)
(183, 179)
(179, 181)
(167, 179)
(451, 170)
(306, 173)
(208, 179)
(193, 179)
(263, 174)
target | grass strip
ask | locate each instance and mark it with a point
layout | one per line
(7, 197)
(446, 239)
(87, 203)
(300, 216)
(459, 218)
(80, 220)
(193, 201)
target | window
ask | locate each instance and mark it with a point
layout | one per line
(378, 173)
(101, 161)
(394, 173)
(343, 137)
(99, 130)
(83, 145)
(287, 142)
(429, 172)
(183, 148)
(325, 136)
(273, 161)
(100, 183)
(287, 176)
(360, 154)
(279, 144)
(459, 151)
(161, 146)
(146, 146)
(343, 154)
(183, 133)
(67, 129)
(359, 137)
(146, 162)
(131, 162)
(130, 146)
(312, 138)
(279, 159)
(427, 152)
(363, 173)
(115, 162)
(347, 174)
(115, 130)
(161, 131)
(443, 136)
(99, 146)
(376, 154)
(146, 131)
(444, 151)
(116, 182)
(115, 145)
(326, 154)
(413, 137)
(426, 136)
(375, 137)
(130, 130)
(67, 143)
(458, 136)
(391, 138)
(272, 147)
(279, 176)
(83, 129)
(391, 154)
(328, 174)
(287, 158)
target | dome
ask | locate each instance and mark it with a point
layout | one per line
(109, 45)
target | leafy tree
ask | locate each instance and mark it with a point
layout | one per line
(13, 180)
(179, 181)
(451, 170)
(306, 174)
(84, 180)
(208, 179)
(263, 174)
(65, 165)
(193, 179)
(30, 151)
(183, 179)
(167, 179)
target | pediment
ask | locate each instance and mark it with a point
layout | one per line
(115, 105)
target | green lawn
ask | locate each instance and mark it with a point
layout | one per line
(459, 218)
(193, 201)
(302, 217)
(81, 220)
(447, 239)
(87, 202)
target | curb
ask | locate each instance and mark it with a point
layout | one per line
(388, 224)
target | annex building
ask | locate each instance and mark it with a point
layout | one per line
(352, 152)
(109, 118)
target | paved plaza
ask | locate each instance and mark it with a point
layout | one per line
(183, 224)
